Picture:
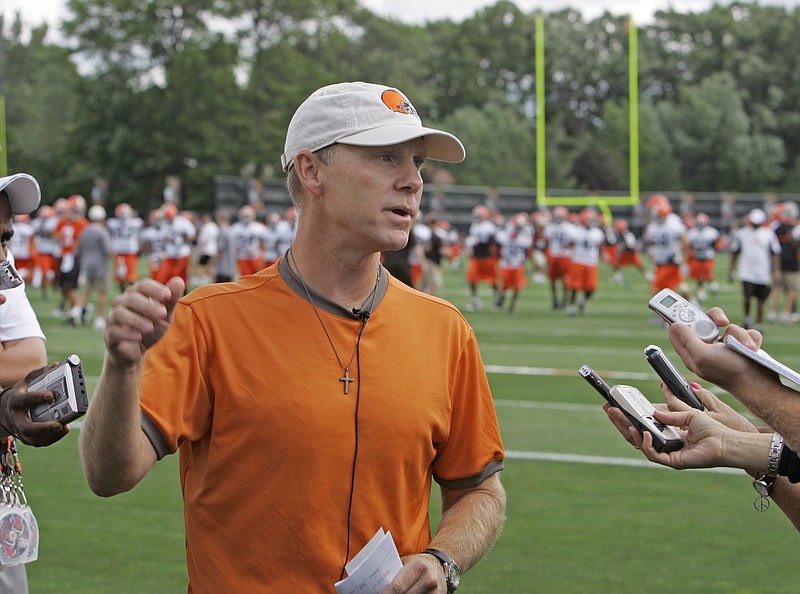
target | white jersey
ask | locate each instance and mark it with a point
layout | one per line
(557, 236)
(481, 238)
(155, 240)
(755, 247)
(514, 245)
(703, 242)
(207, 239)
(22, 240)
(178, 236)
(270, 244)
(664, 239)
(249, 239)
(284, 236)
(125, 234)
(586, 244)
(45, 242)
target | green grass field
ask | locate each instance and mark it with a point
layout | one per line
(585, 513)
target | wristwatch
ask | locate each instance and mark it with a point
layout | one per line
(452, 572)
(763, 484)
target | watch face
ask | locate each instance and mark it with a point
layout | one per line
(453, 577)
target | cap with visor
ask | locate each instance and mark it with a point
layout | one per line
(23, 192)
(363, 114)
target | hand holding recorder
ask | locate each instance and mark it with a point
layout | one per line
(674, 308)
(636, 409)
(707, 443)
(671, 377)
(15, 404)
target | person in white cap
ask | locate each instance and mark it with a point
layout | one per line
(23, 356)
(314, 402)
(23, 351)
(755, 251)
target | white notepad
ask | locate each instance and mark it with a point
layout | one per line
(788, 376)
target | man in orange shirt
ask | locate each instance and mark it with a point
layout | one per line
(294, 384)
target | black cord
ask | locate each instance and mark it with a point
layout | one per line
(355, 452)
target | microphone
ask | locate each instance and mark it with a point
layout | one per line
(361, 313)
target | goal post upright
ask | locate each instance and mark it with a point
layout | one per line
(602, 202)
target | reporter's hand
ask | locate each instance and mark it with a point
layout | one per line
(139, 317)
(15, 418)
(420, 574)
(702, 437)
(714, 407)
(715, 361)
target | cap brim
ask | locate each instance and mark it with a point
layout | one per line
(441, 146)
(23, 192)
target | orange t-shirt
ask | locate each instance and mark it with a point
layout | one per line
(246, 385)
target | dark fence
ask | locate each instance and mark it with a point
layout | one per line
(455, 203)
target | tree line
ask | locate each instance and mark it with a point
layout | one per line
(135, 92)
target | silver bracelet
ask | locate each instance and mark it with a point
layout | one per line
(775, 451)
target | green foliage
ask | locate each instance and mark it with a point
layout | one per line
(40, 76)
(201, 88)
(500, 146)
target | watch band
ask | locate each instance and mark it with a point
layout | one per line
(775, 451)
(452, 572)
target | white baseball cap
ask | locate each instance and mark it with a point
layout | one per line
(363, 114)
(757, 217)
(97, 213)
(23, 192)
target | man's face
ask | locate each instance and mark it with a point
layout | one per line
(371, 195)
(6, 229)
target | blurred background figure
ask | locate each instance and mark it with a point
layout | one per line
(557, 237)
(125, 228)
(48, 251)
(23, 247)
(225, 259)
(178, 233)
(755, 253)
(515, 241)
(249, 239)
(626, 252)
(586, 240)
(703, 240)
(788, 234)
(482, 267)
(68, 232)
(665, 237)
(207, 247)
(94, 253)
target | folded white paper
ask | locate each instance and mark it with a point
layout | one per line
(373, 568)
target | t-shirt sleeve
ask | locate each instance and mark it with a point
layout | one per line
(17, 318)
(474, 448)
(175, 399)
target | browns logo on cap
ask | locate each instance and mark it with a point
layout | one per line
(395, 101)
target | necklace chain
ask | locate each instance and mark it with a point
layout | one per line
(345, 379)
